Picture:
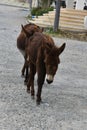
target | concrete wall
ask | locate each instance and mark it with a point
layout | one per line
(80, 4)
(34, 3)
(69, 4)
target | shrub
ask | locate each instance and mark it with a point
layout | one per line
(40, 11)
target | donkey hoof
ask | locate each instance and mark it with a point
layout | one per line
(28, 90)
(25, 83)
(22, 76)
(32, 94)
(32, 97)
(38, 102)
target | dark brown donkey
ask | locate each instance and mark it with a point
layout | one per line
(21, 43)
(43, 56)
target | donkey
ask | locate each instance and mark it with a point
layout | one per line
(43, 58)
(21, 43)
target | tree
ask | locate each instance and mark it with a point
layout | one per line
(30, 6)
(45, 3)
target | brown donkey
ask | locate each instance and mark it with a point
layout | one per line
(21, 43)
(43, 56)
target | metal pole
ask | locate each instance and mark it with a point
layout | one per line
(57, 15)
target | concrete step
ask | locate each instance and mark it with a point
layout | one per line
(70, 11)
(63, 15)
(69, 18)
(61, 25)
(66, 19)
(69, 22)
(63, 20)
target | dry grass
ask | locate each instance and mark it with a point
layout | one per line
(82, 36)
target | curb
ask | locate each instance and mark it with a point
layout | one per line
(17, 6)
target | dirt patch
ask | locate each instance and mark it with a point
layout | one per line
(74, 35)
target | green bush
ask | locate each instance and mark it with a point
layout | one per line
(40, 11)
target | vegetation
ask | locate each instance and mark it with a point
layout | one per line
(46, 3)
(40, 11)
(67, 34)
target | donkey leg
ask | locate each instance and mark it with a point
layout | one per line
(31, 80)
(26, 68)
(26, 75)
(40, 81)
(25, 64)
(23, 70)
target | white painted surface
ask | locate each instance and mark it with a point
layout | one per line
(34, 3)
(85, 22)
(69, 4)
(80, 4)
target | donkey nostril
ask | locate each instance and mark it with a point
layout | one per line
(49, 81)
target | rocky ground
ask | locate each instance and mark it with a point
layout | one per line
(20, 3)
(64, 104)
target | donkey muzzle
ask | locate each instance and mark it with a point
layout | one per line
(49, 79)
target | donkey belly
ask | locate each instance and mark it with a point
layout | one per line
(21, 42)
(21, 45)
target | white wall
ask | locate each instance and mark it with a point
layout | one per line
(80, 4)
(69, 4)
(34, 3)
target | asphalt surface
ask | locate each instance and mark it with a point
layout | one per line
(64, 104)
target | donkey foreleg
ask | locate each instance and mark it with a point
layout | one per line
(40, 81)
(26, 75)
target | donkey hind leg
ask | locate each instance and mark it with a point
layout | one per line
(30, 85)
(26, 75)
(40, 81)
(25, 67)
(23, 70)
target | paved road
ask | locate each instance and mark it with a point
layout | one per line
(64, 104)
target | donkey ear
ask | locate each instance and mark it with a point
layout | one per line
(28, 33)
(61, 48)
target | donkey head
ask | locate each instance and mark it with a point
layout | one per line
(52, 60)
(31, 30)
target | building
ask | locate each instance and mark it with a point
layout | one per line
(76, 4)
(73, 4)
(81, 4)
